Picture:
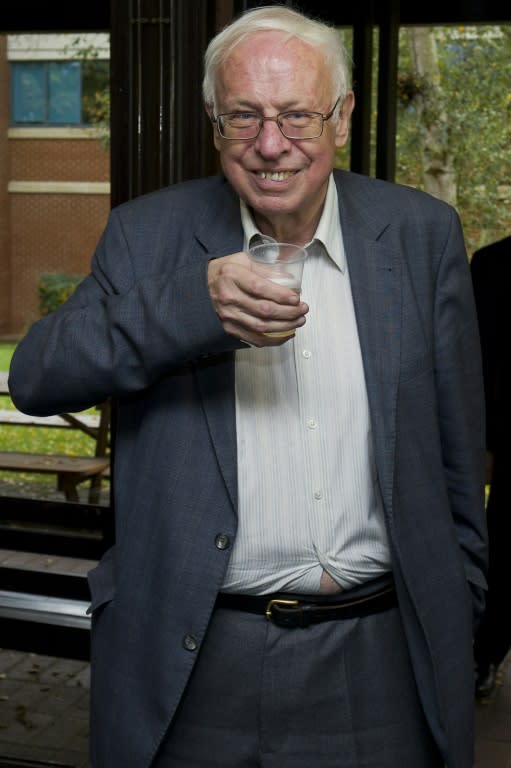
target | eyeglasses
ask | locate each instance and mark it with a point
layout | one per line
(246, 126)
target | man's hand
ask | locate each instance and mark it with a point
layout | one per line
(249, 305)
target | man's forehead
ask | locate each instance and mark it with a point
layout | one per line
(257, 62)
(273, 41)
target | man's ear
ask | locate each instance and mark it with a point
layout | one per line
(216, 137)
(342, 128)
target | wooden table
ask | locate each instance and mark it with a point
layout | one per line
(70, 470)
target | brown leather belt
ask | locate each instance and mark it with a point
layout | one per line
(292, 610)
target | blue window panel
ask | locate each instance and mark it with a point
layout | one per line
(64, 91)
(28, 89)
(59, 92)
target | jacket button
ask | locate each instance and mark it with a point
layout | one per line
(222, 541)
(190, 643)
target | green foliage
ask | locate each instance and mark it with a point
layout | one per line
(475, 78)
(96, 107)
(96, 88)
(54, 288)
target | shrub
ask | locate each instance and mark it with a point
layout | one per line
(54, 288)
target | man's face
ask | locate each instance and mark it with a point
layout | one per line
(274, 175)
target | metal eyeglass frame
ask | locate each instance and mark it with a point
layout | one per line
(275, 119)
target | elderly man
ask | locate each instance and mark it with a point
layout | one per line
(300, 547)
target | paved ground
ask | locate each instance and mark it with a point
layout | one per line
(44, 713)
(43, 709)
(44, 700)
(493, 724)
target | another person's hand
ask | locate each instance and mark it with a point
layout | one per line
(250, 305)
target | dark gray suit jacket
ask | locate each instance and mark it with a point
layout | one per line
(141, 328)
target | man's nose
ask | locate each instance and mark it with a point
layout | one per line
(271, 140)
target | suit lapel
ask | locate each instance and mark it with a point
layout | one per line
(215, 379)
(375, 275)
(220, 234)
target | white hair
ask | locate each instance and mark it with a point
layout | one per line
(322, 37)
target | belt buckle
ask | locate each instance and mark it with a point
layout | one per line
(278, 601)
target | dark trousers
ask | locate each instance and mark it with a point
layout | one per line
(340, 694)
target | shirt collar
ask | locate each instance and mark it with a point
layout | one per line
(328, 231)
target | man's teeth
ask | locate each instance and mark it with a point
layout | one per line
(278, 176)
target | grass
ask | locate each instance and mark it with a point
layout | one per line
(6, 350)
(35, 440)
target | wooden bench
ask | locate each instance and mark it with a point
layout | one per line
(70, 470)
(88, 422)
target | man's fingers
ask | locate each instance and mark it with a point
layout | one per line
(248, 302)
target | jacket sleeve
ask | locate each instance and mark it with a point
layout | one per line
(142, 312)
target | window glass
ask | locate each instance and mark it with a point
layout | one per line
(28, 92)
(59, 92)
(64, 92)
(54, 205)
(342, 155)
(453, 134)
(95, 91)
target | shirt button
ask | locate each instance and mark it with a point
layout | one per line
(312, 423)
(190, 643)
(222, 541)
(318, 494)
(306, 354)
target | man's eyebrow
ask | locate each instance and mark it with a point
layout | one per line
(245, 106)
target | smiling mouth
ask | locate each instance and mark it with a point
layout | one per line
(276, 175)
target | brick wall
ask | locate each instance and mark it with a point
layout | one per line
(58, 160)
(52, 231)
(5, 275)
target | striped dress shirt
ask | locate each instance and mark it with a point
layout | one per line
(308, 491)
